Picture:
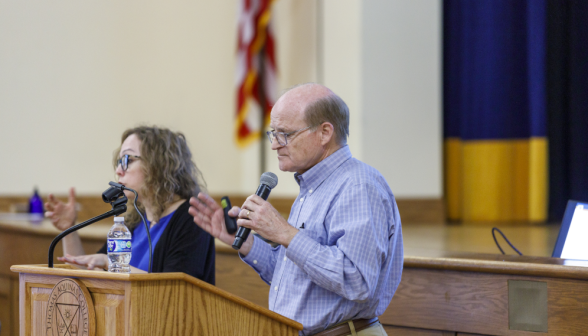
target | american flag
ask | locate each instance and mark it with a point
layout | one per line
(256, 70)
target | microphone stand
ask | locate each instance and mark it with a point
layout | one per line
(119, 206)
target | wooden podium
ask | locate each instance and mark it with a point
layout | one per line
(69, 301)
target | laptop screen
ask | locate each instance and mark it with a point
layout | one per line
(571, 241)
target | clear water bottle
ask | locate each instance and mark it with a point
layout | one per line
(119, 247)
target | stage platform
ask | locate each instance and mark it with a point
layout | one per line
(432, 239)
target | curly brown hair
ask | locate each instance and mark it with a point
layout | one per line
(170, 173)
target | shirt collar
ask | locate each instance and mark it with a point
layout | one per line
(319, 172)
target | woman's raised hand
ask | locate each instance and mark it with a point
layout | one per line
(62, 215)
(91, 261)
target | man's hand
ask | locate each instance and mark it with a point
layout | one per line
(263, 218)
(210, 217)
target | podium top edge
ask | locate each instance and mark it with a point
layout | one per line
(69, 270)
(513, 265)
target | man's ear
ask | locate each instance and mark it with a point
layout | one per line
(327, 132)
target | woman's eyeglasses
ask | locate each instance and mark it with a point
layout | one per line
(126, 159)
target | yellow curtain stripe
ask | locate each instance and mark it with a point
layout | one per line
(538, 179)
(453, 174)
(496, 180)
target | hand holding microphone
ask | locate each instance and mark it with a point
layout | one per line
(267, 182)
(256, 213)
(264, 219)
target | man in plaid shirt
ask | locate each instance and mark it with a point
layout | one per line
(339, 258)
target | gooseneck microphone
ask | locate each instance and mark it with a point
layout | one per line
(113, 195)
(267, 182)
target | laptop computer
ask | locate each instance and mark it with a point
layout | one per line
(572, 241)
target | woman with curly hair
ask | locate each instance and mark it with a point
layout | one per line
(157, 163)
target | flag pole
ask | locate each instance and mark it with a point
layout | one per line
(262, 104)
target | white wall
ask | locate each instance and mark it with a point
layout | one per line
(383, 57)
(341, 61)
(401, 94)
(74, 75)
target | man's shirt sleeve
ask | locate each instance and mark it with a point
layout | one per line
(359, 225)
(262, 258)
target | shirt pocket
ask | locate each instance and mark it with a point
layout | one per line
(316, 232)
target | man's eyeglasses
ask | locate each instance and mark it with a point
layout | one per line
(282, 137)
(126, 159)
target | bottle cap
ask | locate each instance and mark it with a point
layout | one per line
(119, 219)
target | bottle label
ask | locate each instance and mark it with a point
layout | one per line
(118, 245)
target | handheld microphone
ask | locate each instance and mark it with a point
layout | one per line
(267, 182)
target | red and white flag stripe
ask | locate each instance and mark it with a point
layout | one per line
(256, 70)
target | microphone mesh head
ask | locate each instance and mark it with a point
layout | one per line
(269, 179)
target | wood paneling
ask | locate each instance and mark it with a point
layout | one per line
(207, 314)
(425, 210)
(9, 305)
(26, 243)
(26, 248)
(89, 205)
(110, 310)
(446, 294)
(38, 306)
(6, 202)
(477, 303)
(421, 210)
(14, 326)
(5, 306)
(417, 210)
(238, 278)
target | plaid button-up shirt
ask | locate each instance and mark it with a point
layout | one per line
(346, 261)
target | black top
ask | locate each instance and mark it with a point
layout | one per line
(183, 247)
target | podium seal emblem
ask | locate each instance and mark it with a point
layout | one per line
(70, 310)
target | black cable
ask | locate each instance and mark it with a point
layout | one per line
(146, 227)
(503, 236)
(114, 212)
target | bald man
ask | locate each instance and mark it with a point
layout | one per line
(340, 256)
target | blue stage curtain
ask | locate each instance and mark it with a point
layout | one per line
(567, 93)
(494, 83)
